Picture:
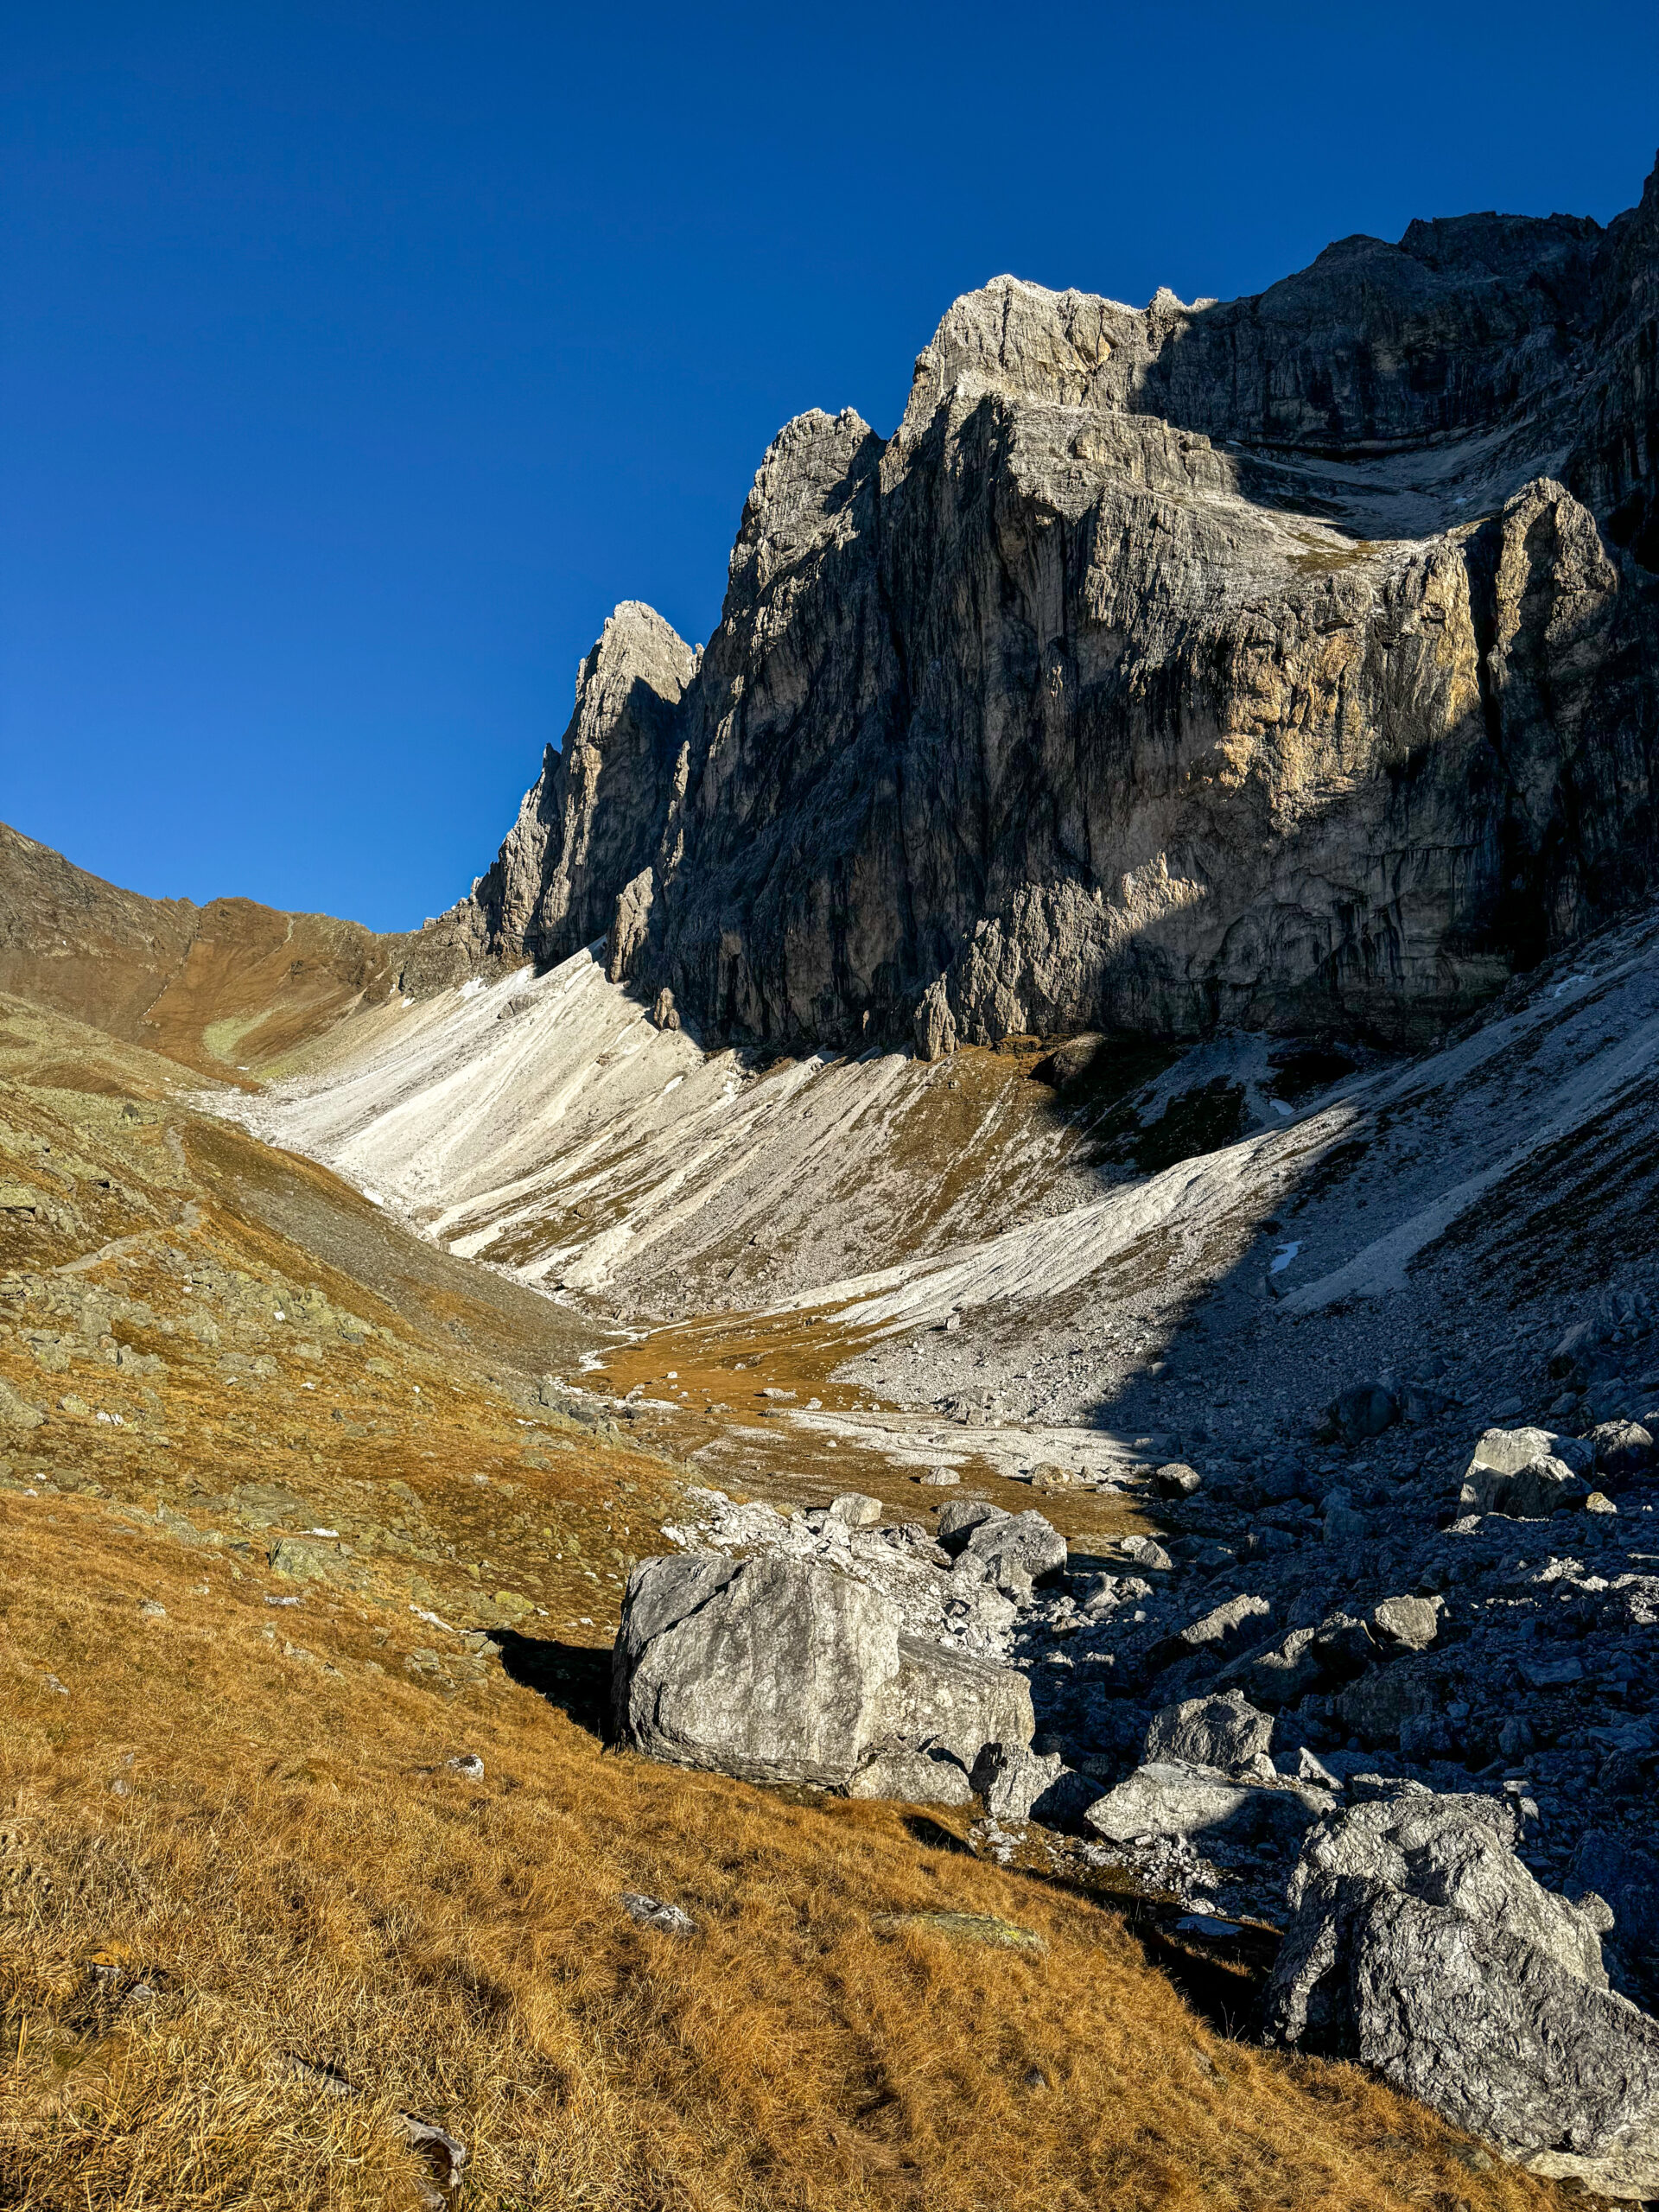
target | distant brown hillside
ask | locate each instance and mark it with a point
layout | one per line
(224, 988)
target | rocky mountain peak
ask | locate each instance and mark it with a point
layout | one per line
(1284, 662)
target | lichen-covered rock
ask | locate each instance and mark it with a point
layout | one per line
(1421, 1946)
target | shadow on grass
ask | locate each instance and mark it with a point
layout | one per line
(575, 1677)
(1222, 1978)
(934, 1836)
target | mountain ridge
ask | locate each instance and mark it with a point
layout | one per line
(1287, 661)
(222, 988)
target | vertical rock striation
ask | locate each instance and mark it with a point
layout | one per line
(1293, 661)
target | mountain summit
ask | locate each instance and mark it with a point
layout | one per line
(1283, 662)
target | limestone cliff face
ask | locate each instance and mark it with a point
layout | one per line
(1293, 661)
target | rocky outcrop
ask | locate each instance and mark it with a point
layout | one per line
(777, 1670)
(1281, 662)
(1421, 1946)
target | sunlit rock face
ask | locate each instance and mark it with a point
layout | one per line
(1292, 661)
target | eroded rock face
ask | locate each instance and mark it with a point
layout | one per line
(776, 1669)
(1421, 1946)
(1284, 661)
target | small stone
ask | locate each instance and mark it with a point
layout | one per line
(855, 1510)
(1177, 1479)
(468, 1764)
(652, 1912)
(443, 2157)
(1406, 1623)
(153, 1610)
(1146, 1553)
(939, 1479)
(1599, 1502)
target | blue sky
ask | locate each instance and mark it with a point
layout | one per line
(356, 359)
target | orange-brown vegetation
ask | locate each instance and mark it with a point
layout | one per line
(244, 1813)
(220, 988)
(248, 1914)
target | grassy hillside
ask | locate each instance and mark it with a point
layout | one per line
(224, 989)
(286, 1525)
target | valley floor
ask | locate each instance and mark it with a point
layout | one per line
(301, 1509)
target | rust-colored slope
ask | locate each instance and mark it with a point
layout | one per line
(222, 989)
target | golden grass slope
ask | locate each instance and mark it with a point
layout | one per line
(237, 1874)
(244, 1812)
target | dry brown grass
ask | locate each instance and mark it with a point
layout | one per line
(294, 1874)
(241, 1809)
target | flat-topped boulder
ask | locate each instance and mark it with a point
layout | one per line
(784, 1670)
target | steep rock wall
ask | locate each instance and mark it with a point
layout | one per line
(1289, 662)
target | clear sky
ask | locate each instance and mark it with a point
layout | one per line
(355, 360)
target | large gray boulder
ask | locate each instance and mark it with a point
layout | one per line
(1420, 1945)
(1019, 1544)
(784, 1670)
(1226, 1732)
(1167, 1797)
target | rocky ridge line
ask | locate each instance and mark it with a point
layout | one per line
(1287, 661)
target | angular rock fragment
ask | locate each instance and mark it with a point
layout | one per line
(1365, 1411)
(1219, 1632)
(960, 1516)
(1407, 1623)
(1420, 1945)
(855, 1510)
(1226, 1732)
(1146, 1552)
(1531, 1492)
(1021, 1543)
(1167, 1797)
(1622, 1448)
(1177, 1479)
(653, 1913)
(1011, 1777)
